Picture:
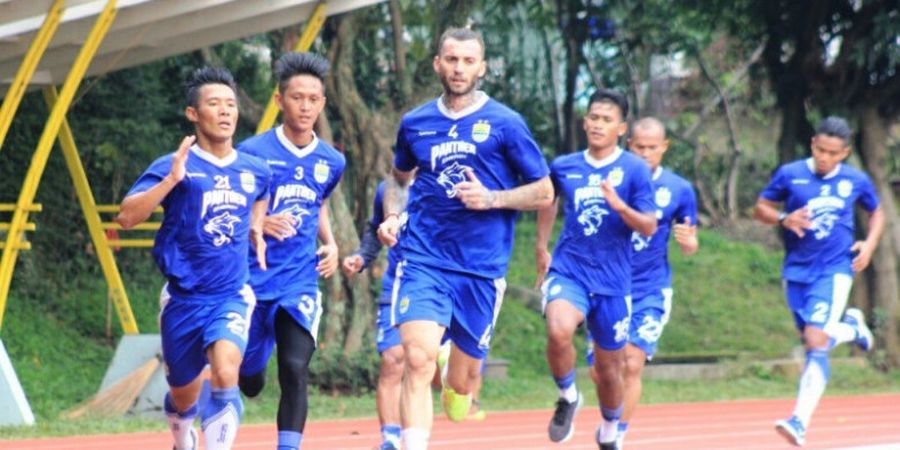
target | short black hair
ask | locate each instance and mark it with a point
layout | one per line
(460, 34)
(294, 63)
(835, 126)
(207, 75)
(610, 96)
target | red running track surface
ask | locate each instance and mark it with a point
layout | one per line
(868, 421)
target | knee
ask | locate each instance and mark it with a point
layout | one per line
(392, 364)
(224, 375)
(815, 338)
(559, 334)
(419, 360)
(292, 368)
(633, 367)
(252, 385)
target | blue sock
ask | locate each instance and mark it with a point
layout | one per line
(180, 422)
(612, 414)
(565, 381)
(289, 440)
(623, 427)
(222, 417)
(391, 433)
(170, 409)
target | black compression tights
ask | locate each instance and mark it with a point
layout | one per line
(295, 347)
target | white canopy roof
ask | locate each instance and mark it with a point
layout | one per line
(143, 30)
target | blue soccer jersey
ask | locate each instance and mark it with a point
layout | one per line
(495, 143)
(203, 242)
(595, 244)
(830, 199)
(675, 201)
(302, 179)
(393, 255)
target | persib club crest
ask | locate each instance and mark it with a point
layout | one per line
(616, 176)
(845, 188)
(404, 305)
(321, 171)
(481, 131)
(663, 197)
(248, 182)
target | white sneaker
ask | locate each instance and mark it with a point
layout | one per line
(864, 338)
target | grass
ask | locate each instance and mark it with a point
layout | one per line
(728, 301)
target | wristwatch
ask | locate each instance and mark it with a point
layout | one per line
(781, 216)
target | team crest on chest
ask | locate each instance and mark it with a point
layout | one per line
(616, 176)
(321, 171)
(248, 182)
(481, 131)
(663, 197)
(845, 188)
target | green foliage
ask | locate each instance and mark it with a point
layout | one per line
(331, 370)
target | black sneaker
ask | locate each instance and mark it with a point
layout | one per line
(562, 425)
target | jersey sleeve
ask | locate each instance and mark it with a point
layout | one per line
(777, 189)
(404, 159)
(642, 190)
(868, 197)
(378, 206)
(152, 176)
(687, 207)
(523, 152)
(555, 177)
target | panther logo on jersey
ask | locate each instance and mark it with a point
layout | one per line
(823, 224)
(297, 213)
(451, 176)
(639, 241)
(591, 219)
(222, 228)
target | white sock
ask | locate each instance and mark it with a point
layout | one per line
(840, 332)
(609, 430)
(415, 438)
(181, 431)
(569, 394)
(221, 429)
(812, 385)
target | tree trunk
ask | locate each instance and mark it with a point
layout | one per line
(884, 285)
(794, 127)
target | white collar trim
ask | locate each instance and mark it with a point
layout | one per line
(213, 159)
(456, 115)
(811, 164)
(599, 163)
(657, 173)
(299, 152)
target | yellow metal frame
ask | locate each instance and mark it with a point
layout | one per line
(26, 70)
(95, 226)
(15, 236)
(313, 26)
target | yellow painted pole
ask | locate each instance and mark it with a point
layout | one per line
(313, 25)
(29, 65)
(89, 207)
(45, 144)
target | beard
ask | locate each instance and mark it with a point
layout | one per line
(455, 90)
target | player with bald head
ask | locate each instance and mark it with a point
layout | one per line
(651, 277)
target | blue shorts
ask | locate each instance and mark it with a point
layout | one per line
(607, 316)
(649, 315)
(305, 309)
(820, 302)
(188, 327)
(387, 335)
(467, 305)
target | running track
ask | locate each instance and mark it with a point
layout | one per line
(870, 422)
